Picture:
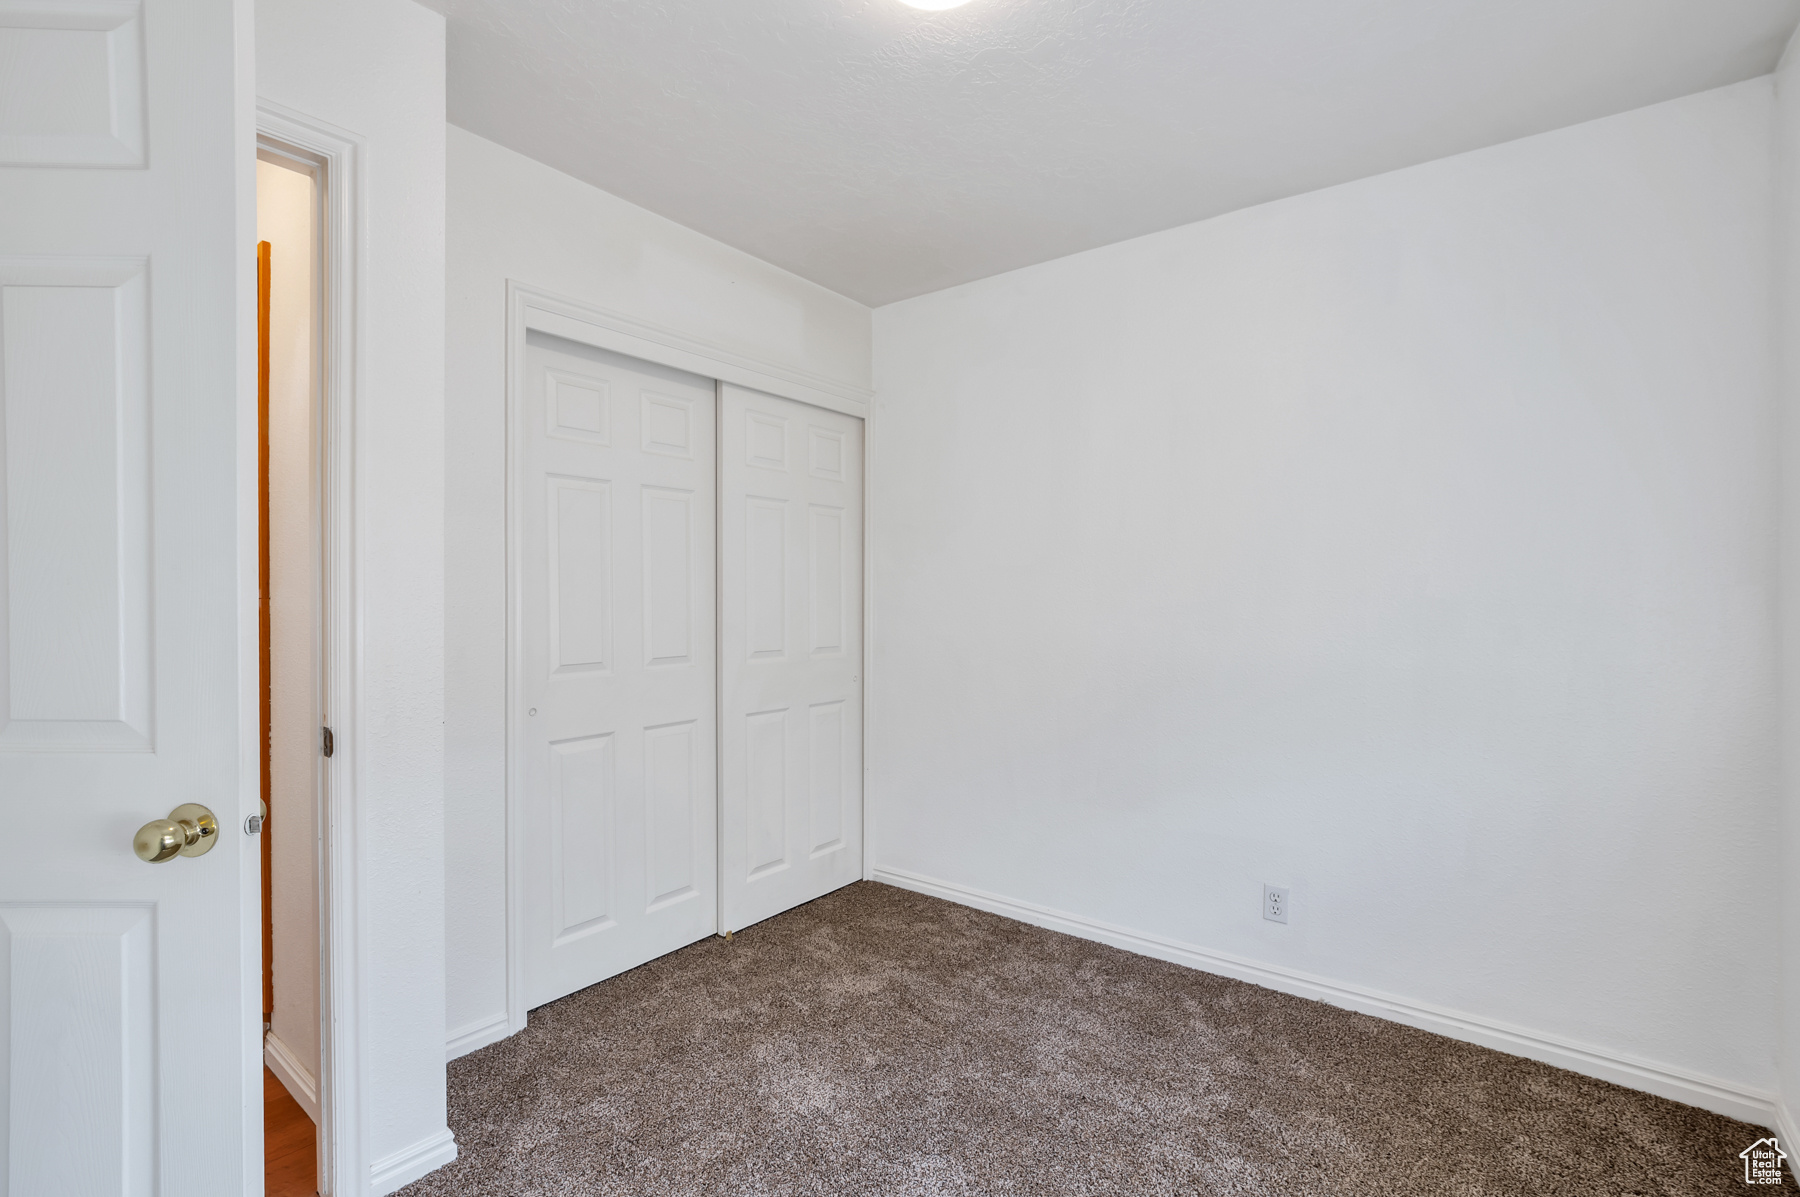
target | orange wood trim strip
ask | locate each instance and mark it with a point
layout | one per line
(263, 269)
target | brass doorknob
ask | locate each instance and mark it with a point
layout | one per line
(190, 830)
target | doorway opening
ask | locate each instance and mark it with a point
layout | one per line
(291, 643)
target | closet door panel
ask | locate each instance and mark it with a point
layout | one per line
(790, 699)
(618, 702)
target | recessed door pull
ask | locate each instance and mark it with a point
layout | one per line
(326, 741)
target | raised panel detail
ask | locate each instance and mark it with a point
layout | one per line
(76, 1049)
(71, 83)
(668, 425)
(579, 408)
(765, 578)
(74, 414)
(765, 790)
(668, 576)
(671, 790)
(582, 787)
(765, 440)
(825, 453)
(825, 778)
(825, 536)
(580, 536)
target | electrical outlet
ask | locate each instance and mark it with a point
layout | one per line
(1275, 904)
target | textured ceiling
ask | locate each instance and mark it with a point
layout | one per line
(885, 152)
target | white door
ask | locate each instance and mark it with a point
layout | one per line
(128, 1013)
(615, 493)
(790, 708)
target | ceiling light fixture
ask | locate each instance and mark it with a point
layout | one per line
(934, 5)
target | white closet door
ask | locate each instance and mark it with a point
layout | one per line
(790, 557)
(615, 492)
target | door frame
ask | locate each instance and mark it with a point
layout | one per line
(335, 156)
(530, 309)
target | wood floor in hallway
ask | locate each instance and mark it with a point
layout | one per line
(290, 1157)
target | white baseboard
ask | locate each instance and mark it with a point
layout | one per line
(401, 1168)
(1691, 1088)
(475, 1035)
(1789, 1132)
(295, 1076)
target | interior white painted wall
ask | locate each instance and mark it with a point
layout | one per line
(1409, 544)
(284, 218)
(513, 218)
(376, 69)
(1787, 164)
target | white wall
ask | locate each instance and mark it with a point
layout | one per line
(513, 218)
(1787, 161)
(1409, 544)
(376, 69)
(284, 218)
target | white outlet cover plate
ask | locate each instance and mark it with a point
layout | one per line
(1275, 904)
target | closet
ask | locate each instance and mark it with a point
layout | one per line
(688, 624)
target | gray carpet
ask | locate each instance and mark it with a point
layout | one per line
(876, 1043)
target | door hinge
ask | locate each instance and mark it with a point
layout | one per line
(327, 742)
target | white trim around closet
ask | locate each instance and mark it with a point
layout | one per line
(533, 309)
(530, 308)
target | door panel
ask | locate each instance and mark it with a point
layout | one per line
(826, 775)
(76, 420)
(617, 705)
(790, 653)
(128, 1028)
(82, 1024)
